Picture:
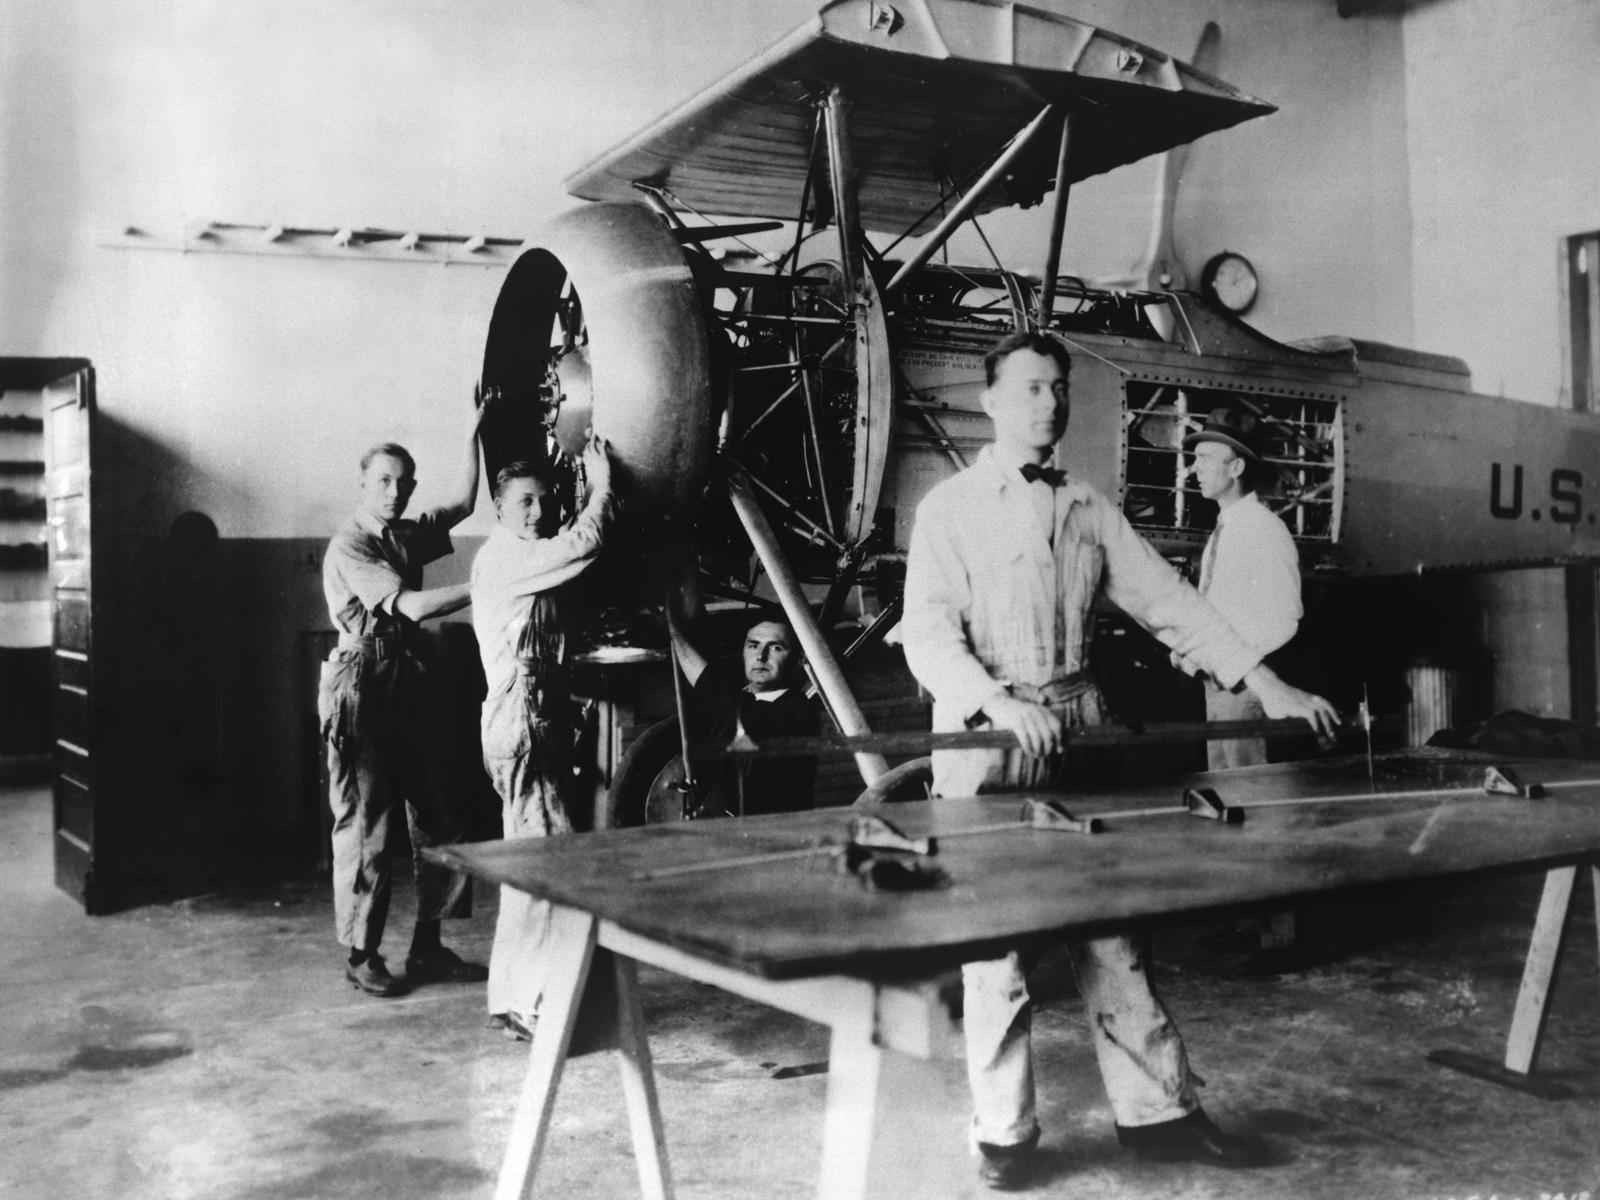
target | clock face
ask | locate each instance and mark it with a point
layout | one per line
(1230, 280)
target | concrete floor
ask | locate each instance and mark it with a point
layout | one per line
(211, 1049)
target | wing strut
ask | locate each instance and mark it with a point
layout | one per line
(1058, 225)
(841, 174)
(968, 204)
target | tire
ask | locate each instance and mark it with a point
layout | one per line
(645, 789)
(909, 781)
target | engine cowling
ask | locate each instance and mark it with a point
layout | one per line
(600, 321)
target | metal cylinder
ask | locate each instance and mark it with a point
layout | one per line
(1436, 700)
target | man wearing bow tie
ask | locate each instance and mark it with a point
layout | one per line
(1005, 561)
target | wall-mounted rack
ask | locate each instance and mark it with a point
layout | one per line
(374, 245)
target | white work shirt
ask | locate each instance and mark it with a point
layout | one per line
(1250, 573)
(992, 597)
(509, 572)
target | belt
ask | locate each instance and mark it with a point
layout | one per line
(532, 672)
(382, 645)
(1058, 691)
(1215, 685)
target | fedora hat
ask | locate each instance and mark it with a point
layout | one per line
(1234, 428)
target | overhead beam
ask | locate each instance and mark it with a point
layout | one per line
(1356, 8)
(341, 241)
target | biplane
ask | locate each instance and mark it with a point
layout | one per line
(828, 382)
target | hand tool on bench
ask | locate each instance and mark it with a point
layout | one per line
(868, 842)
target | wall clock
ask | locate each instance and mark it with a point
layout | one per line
(1230, 280)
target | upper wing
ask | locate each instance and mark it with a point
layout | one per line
(936, 89)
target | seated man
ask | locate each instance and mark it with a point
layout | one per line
(768, 701)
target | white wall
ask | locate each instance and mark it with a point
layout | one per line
(1503, 113)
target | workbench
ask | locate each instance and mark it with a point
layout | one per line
(754, 907)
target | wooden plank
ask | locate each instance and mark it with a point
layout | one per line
(1026, 883)
(921, 741)
(639, 1085)
(909, 1018)
(850, 1114)
(1594, 893)
(1533, 997)
(572, 950)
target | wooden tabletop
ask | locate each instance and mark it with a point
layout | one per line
(1311, 827)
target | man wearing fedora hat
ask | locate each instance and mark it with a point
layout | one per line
(1249, 571)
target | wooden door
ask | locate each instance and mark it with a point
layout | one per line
(78, 828)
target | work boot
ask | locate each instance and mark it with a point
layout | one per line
(440, 965)
(1192, 1138)
(1006, 1168)
(372, 977)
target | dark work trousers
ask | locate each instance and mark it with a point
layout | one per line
(371, 706)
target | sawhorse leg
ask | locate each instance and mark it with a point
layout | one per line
(867, 1022)
(855, 1063)
(883, 1048)
(1533, 998)
(639, 1086)
(573, 936)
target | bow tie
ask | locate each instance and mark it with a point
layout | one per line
(1033, 472)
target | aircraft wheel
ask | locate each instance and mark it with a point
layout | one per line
(645, 790)
(909, 781)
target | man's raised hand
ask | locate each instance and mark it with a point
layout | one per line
(597, 461)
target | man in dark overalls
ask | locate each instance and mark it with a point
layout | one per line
(371, 704)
